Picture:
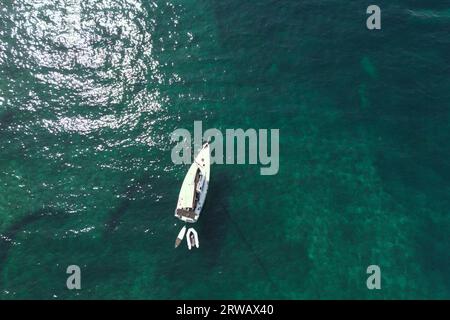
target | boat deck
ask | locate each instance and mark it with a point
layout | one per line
(185, 213)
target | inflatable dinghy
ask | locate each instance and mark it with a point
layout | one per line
(192, 238)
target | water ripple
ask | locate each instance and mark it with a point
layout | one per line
(87, 54)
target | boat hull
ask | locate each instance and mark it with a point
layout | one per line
(195, 187)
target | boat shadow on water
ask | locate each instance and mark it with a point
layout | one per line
(214, 224)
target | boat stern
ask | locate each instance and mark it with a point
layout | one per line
(186, 215)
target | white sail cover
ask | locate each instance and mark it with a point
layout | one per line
(187, 192)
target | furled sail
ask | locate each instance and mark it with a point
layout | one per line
(187, 192)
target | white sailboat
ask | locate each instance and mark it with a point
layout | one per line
(195, 187)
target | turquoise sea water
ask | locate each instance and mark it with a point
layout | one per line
(90, 92)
